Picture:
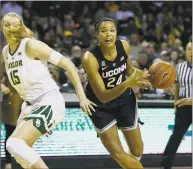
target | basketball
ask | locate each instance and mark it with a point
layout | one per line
(162, 75)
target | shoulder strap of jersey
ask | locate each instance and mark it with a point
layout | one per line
(96, 52)
(24, 41)
(120, 48)
(23, 44)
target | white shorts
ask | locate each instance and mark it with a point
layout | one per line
(46, 113)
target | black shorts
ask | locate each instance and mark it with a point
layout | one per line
(125, 116)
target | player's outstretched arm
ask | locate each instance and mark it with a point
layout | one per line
(38, 49)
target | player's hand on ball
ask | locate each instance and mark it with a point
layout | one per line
(139, 79)
(143, 81)
(143, 74)
(144, 84)
(87, 106)
(184, 102)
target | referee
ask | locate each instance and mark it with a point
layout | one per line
(183, 108)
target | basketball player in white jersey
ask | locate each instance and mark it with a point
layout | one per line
(25, 60)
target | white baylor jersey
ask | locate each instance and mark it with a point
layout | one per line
(31, 78)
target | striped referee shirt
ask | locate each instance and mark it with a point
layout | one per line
(184, 78)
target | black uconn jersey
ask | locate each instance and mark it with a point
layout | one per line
(113, 73)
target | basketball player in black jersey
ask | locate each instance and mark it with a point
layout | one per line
(110, 78)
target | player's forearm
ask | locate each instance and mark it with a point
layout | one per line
(71, 70)
(130, 70)
(111, 94)
(74, 77)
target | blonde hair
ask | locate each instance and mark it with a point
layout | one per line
(24, 31)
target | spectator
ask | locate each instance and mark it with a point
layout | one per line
(142, 59)
(27, 18)
(151, 53)
(156, 60)
(135, 45)
(174, 57)
(11, 7)
(76, 56)
(164, 46)
(165, 56)
(109, 10)
(82, 75)
(88, 36)
(177, 46)
(160, 26)
(125, 20)
(48, 39)
(57, 74)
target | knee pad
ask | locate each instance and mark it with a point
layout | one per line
(22, 153)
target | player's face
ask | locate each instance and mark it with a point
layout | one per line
(11, 26)
(107, 33)
(189, 52)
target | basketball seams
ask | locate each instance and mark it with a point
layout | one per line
(164, 70)
(169, 76)
(158, 76)
(160, 71)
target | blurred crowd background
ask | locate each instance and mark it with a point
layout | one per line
(155, 30)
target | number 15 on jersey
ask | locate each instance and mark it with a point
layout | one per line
(14, 77)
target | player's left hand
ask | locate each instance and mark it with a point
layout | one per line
(183, 102)
(142, 73)
(87, 106)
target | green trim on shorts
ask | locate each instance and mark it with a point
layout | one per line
(42, 118)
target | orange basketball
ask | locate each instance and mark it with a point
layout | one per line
(162, 75)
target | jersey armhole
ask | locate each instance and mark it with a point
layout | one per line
(122, 48)
(97, 61)
(94, 53)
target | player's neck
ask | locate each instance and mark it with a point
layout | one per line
(13, 45)
(108, 51)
